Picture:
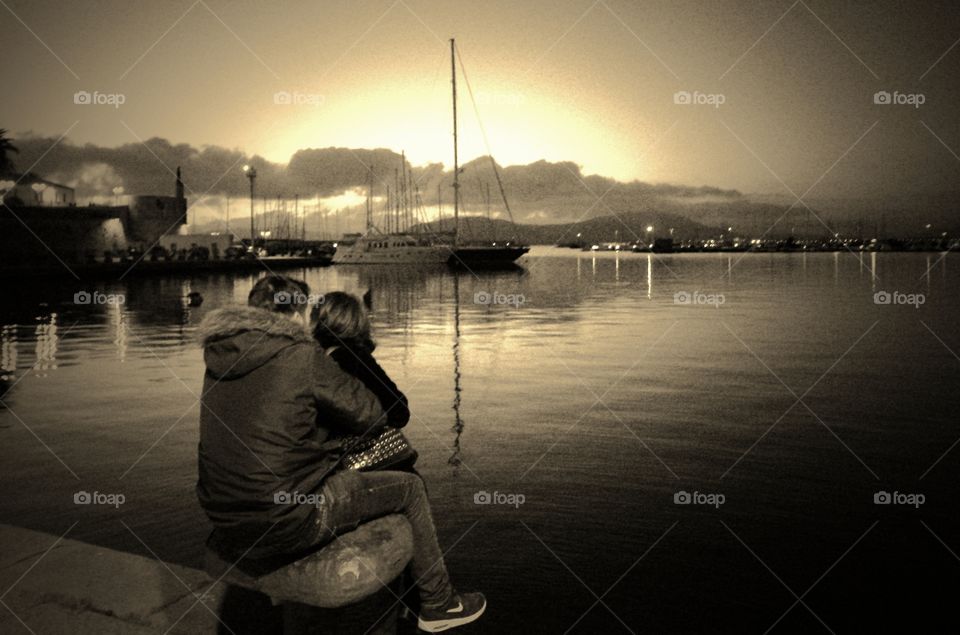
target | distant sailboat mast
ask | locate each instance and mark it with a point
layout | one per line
(456, 164)
(370, 200)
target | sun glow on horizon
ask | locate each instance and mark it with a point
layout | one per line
(521, 129)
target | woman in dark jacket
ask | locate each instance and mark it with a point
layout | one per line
(342, 328)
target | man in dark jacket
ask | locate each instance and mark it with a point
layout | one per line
(270, 399)
(266, 380)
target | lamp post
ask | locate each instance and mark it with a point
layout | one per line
(649, 234)
(251, 173)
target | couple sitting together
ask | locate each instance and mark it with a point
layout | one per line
(287, 398)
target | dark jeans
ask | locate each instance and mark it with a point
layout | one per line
(352, 497)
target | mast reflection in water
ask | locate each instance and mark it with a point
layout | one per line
(454, 459)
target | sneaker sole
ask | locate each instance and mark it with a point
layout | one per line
(438, 626)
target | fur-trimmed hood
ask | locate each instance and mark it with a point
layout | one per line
(238, 339)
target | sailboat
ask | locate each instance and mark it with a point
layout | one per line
(473, 255)
(394, 244)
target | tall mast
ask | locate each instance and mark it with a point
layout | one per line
(405, 193)
(296, 214)
(456, 164)
(439, 204)
(396, 196)
(370, 200)
(386, 211)
(414, 199)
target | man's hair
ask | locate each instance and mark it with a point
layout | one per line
(341, 320)
(279, 294)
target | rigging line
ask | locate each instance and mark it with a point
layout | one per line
(483, 132)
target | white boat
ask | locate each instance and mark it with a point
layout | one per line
(396, 245)
(376, 248)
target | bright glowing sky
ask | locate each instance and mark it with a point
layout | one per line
(591, 82)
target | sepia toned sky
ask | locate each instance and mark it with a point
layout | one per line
(590, 82)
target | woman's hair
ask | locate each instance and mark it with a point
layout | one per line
(341, 320)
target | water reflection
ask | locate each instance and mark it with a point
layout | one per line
(649, 276)
(8, 358)
(454, 459)
(118, 322)
(410, 305)
(47, 341)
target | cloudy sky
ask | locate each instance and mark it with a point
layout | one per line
(783, 91)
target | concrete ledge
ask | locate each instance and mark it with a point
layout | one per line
(63, 586)
(75, 587)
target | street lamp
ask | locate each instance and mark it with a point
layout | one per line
(251, 173)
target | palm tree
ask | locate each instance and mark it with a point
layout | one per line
(6, 148)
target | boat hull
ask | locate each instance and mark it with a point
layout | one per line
(485, 256)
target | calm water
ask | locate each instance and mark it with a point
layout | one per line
(597, 399)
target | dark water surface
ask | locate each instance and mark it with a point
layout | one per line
(597, 399)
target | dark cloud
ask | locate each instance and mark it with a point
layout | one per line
(540, 191)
